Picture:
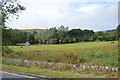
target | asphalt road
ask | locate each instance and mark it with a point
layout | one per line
(12, 76)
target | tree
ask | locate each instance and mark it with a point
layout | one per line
(106, 35)
(52, 35)
(31, 39)
(22, 36)
(76, 34)
(87, 35)
(53, 41)
(43, 36)
(10, 8)
(62, 32)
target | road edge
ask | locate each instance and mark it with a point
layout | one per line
(28, 74)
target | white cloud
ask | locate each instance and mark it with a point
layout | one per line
(89, 8)
(85, 9)
(50, 13)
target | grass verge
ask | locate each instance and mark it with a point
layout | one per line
(57, 74)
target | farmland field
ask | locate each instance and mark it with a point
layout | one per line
(89, 53)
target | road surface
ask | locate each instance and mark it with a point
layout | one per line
(12, 76)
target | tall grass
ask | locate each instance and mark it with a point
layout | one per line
(90, 53)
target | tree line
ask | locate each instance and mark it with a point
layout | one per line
(60, 35)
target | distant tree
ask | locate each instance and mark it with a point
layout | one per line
(31, 39)
(22, 36)
(76, 34)
(53, 41)
(99, 33)
(66, 40)
(62, 32)
(43, 36)
(50, 33)
(9, 36)
(106, 35)
(38, 38)
(87, 35)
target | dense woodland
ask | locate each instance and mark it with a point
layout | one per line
(60, 35)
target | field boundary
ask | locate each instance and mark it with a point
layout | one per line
(29, 63)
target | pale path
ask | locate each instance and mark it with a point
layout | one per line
(10, 76)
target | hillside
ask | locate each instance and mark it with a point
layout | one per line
(33, 30)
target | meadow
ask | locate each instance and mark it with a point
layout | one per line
(88, 53)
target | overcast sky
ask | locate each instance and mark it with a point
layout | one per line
(84, 14)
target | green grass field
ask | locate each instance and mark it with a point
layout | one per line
(90, 53)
